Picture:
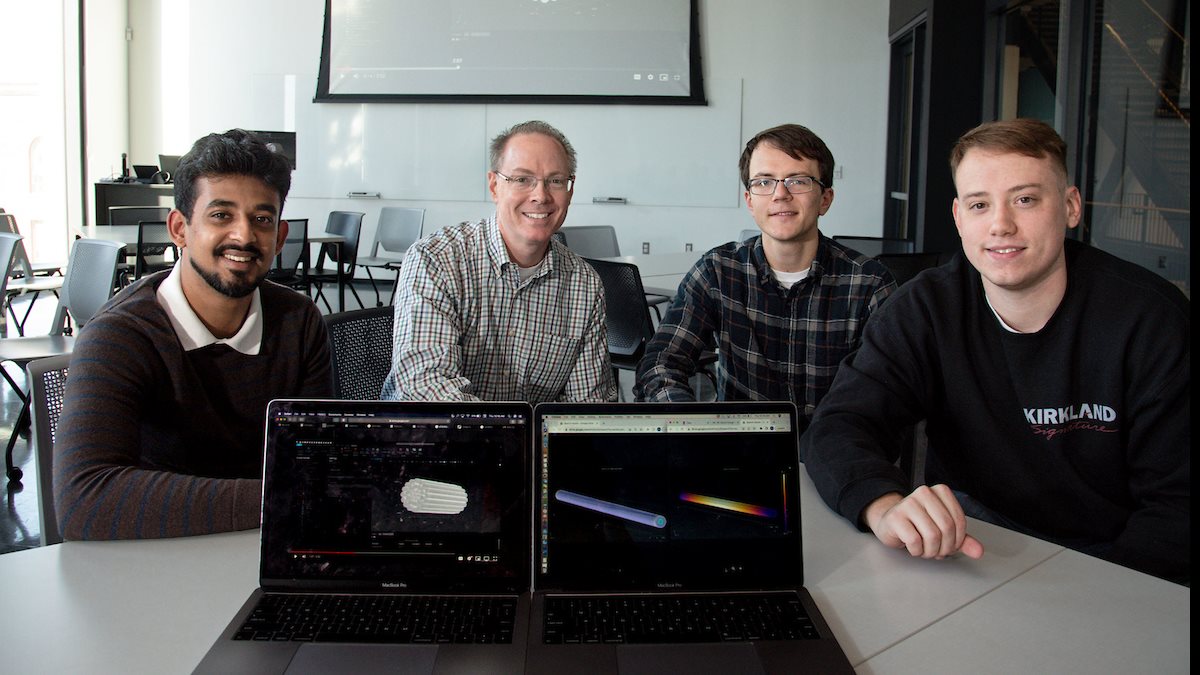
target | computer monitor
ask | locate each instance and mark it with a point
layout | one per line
(168, 164)
(283, 142)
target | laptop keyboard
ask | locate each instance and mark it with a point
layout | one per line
(380, 619)
(675, 618)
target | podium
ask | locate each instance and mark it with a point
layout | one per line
(131, 194)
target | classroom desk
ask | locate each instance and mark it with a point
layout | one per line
(661, 272)
(156, 606)
(128, 235)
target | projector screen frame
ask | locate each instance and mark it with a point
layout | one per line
(695, 77)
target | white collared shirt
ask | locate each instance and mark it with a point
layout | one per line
(192, 332)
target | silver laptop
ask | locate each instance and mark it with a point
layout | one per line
(395, 538)
(667, 538)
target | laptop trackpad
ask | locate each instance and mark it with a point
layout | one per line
(362, 659)
(689, 658)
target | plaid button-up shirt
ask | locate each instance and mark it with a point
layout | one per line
(773, 344)
(468, 328)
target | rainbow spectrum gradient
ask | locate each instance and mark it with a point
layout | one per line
(728, 505)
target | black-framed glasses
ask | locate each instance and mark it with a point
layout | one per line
(528, 183)
(796, 185)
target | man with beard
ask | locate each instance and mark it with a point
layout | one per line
(162, 427)
(496, 310)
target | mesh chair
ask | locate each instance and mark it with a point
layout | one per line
(600, 241)
(905, 266)
(361, 341)
(47, 383)
(398, 228)
(131, 216)
(153, 243)
(87, 285)
(291, 263)
(628, 320)
(873, 246)
(348, 225)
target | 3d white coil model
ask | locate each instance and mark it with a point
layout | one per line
(421, 495)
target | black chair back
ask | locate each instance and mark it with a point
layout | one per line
(153, 242)
(905, 266)
(361, 342)
(629, 325)
(291, 262)
(873, 246)
(132, 215)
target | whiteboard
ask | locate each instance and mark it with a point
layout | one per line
(647, 155)
(401, 151)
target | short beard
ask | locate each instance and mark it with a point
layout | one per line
(237, 289)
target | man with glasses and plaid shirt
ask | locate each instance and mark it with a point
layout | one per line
(782, 308)
(496, 309)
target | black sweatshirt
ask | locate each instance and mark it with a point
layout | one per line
(1080, 431)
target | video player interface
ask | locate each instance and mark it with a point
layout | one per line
(358, 493)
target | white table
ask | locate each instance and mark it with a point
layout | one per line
(150, 606)
(1070, 614)
(128, 235)
(156, 606)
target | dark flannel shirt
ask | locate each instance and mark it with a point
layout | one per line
(773, 344)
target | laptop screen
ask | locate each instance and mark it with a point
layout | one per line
(667, 497)
(396, 495)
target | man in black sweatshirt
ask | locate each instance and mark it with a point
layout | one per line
(1054, 379)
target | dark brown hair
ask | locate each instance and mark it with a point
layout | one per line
(799, 143)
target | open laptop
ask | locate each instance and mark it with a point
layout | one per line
(667, 538)
(168, 164)
(144, 172)
(411, 518)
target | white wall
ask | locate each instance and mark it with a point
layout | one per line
(821, 64)
(107, 81)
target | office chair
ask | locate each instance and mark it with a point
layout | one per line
(361, 342)
(47, 384)
(8, 223)
(398, 228)
(905, 266)
(88, 283)
(348, 225)
(150, 253)
(873, 246)
(132, 215)
(628, 320)
(747, 235)
(291, 263)
(600, 241)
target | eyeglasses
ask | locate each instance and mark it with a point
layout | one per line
(796, 185)
(528, 183)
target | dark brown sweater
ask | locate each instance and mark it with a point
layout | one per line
(158, 442)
